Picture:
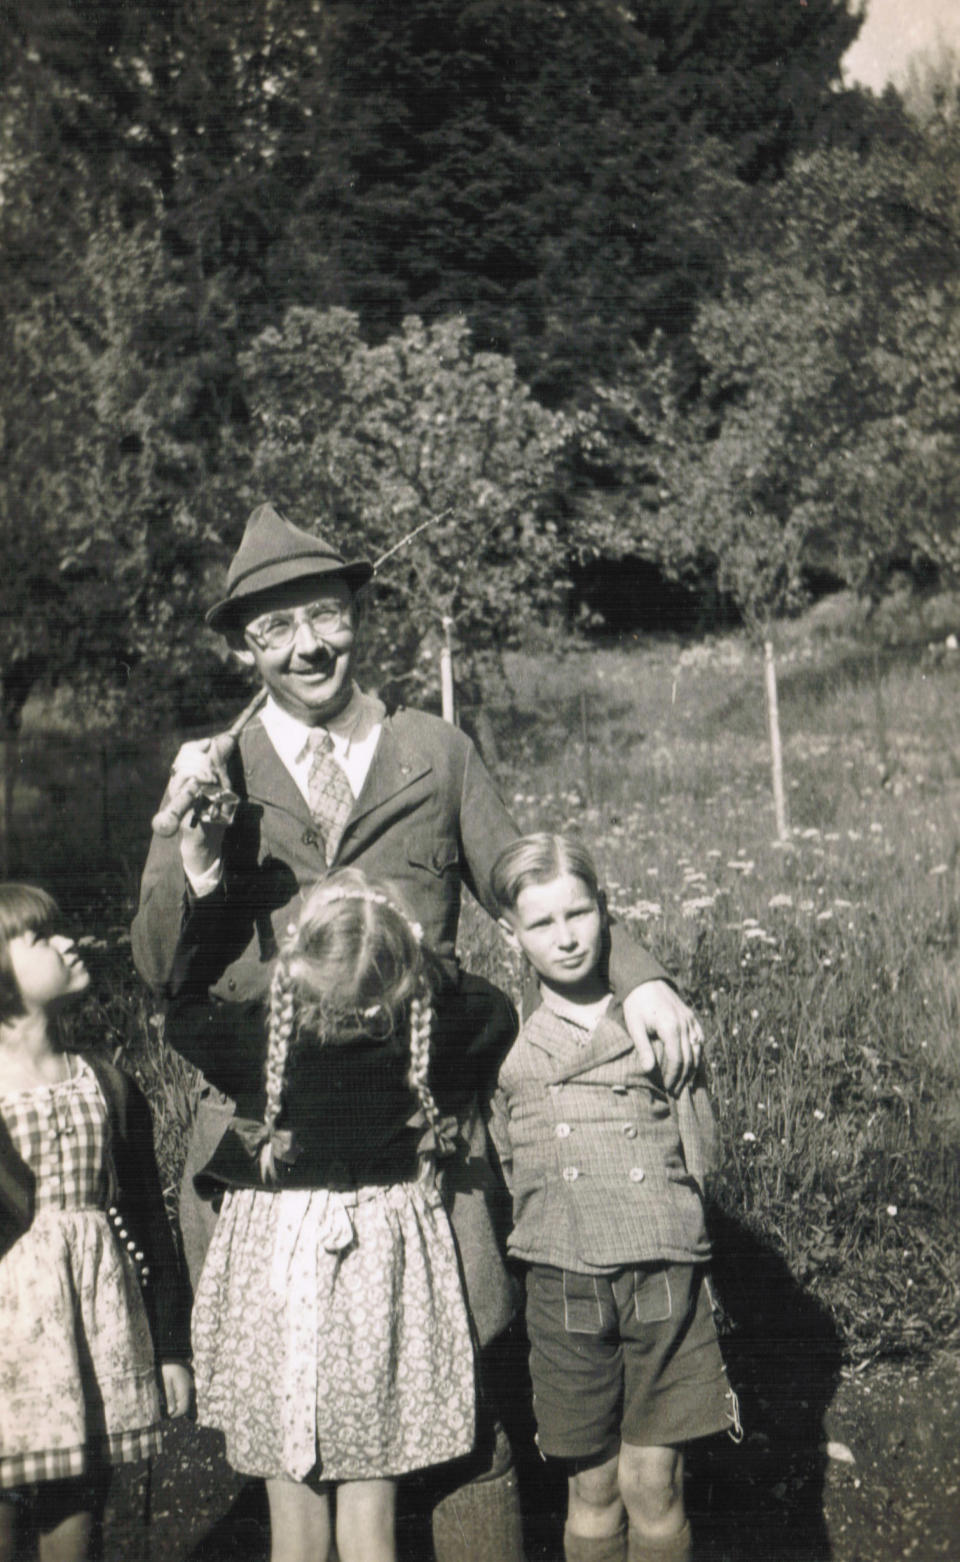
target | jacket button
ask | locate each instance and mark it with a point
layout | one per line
(636, 1174)
(563, 1130)
(570, 1174)
(629, 1130)
(620, 1090)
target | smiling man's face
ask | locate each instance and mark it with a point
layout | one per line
(301, 640)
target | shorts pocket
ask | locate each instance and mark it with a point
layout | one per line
(652, 1299)
(582, 1310)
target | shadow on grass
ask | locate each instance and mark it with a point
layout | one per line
(764, 1497)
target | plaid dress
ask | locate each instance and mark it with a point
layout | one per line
(78, 1381)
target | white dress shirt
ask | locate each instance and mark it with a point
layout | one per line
(355, 733)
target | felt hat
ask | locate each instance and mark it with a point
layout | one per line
(273, 552)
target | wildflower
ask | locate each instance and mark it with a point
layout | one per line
(940, 868)
(825, 916)
(749, 1138)
(818, 1115)
(892, 1209)
(776, 901)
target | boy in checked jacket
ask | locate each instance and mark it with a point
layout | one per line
(606, 1171)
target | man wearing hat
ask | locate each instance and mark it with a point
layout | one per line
(326, 778)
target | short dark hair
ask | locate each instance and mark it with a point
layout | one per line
(536, 859)
(23, 909)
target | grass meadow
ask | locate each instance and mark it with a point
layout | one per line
(826, 970)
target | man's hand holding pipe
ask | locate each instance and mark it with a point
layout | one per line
(198, 769)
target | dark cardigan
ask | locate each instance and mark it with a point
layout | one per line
(134, 1200)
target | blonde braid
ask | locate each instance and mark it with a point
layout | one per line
(421, 1027)
(280, 1033)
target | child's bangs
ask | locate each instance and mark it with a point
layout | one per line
(24, 908)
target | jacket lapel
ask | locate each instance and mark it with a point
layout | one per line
(267, 779)
(607, 1042)
(395, 767)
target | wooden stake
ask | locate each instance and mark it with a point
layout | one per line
(776, 750)
(447, 704)
(587, 758)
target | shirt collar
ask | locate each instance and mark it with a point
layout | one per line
(290, 736)
(586, 1015)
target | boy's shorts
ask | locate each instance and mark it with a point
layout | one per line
(630, 1357)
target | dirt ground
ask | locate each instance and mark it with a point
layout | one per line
(870, 1475)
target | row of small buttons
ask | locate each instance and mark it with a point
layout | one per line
(131, 1246)
(571, 1173)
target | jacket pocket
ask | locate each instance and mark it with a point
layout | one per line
(438, 859)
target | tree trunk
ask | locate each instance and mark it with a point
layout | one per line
(776, 749)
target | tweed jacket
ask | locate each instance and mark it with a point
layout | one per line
(429, 820)
(133, 1197)
(604, 1166)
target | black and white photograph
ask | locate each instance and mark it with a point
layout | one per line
(479, 780)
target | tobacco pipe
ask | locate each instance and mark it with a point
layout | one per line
(212, 804)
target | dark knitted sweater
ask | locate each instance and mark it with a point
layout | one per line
(351, 1114)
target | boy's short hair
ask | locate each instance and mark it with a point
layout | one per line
(536, 859)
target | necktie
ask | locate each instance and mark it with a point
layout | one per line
(328, 792)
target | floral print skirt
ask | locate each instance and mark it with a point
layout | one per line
(78, 1383)
(330, 1333)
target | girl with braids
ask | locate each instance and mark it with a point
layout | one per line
(331, 1339)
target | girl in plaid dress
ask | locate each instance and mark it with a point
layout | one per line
(87, 1265)
(331, 1339)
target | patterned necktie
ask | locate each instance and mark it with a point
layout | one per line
(328, 792)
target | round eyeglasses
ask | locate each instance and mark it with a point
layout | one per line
(277, 631)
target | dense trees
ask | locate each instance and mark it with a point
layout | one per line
(622, 278)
